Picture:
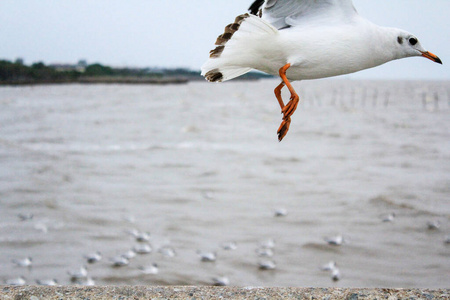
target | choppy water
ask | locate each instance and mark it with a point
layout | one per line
(199, 165)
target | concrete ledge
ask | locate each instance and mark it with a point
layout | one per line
(207, 292)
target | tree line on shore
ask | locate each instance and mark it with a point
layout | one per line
(19, 73)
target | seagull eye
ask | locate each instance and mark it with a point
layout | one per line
(413, 41)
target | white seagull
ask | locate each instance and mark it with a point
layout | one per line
(25, 262)
(305, 39)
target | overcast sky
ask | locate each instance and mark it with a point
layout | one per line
(180, 33)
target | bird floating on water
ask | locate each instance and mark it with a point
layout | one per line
(76, 275)
(305, 39)
(47, 282)
(267, 265)
(335, 240)
(149, 270)
(389, 218)
(26, 262)
(221, 281)
(119, 261)
(142, 249)
(93, 257)
(16, 281)
(329, 266)
(433, 225)
(207, 256)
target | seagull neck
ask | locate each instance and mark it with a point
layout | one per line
(385, 43)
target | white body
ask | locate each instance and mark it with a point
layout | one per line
(318, 38)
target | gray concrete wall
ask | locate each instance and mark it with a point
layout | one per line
(206, 292)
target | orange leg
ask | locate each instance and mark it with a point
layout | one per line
(289, 108)
(278, 94)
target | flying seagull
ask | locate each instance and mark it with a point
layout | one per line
(305, 39)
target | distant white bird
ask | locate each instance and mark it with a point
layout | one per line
(119, 261)
(389, 218)
(24, 262)
(264, 252)
(93, 257)
(16, 281)
(305, 39)
(335, 274)
(207, 256)
(42, 227)
(76, 275)
(129, 254)
(281, 212)
(89, 282)
(167, 251)
(142, 249)
(47, 282)
(434, 225)
(25, 216)
(267, 265)
(329, 266)
(149, 270)
(267, 244)
(221, 281)
(336, 240)
(447, 239)
(140, 235)
(229, 246)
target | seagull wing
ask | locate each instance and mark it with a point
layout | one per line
(288, 13)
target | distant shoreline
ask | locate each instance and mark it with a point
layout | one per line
(112, 80)
(100, 80)
(16, 73)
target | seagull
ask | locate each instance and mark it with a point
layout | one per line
(119, 261)
(264, 252)
(335, 274)
(142, 249)
(149, 270)
(26, 262)
(305, 39)
(167, 251)
(267, 265)
(267, 244)
(329, 266)
(16, 281)
(389, 218)
(78, 274)
(335, 241)
(93, 257)
(207, 256)
(229, 246)
(434, 225)
(89, 282)
(25, 216)
(221, 281)
(140, 236)
(280, 212)
(47, 282)
(447, 239)
(129, 254)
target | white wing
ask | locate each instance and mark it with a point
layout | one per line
(287, 13)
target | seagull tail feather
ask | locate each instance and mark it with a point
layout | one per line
(232, 56)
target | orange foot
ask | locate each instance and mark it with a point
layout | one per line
(289, 109)
(284, 128)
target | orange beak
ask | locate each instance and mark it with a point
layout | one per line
(432, 56)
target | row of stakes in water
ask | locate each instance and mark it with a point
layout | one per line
(432, 100)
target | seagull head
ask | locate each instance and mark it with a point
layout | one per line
(410, 46)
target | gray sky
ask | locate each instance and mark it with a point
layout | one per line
(180, 33)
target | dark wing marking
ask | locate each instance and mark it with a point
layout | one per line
(254, 8)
